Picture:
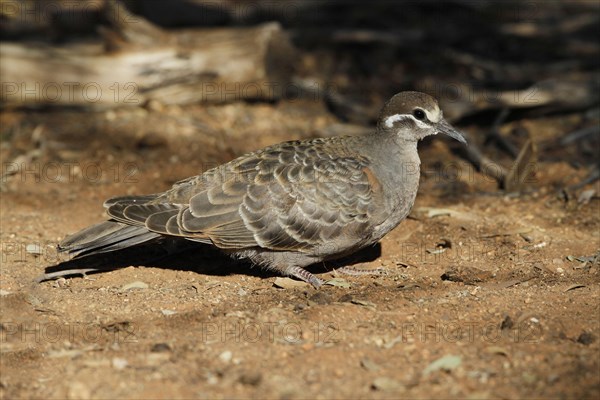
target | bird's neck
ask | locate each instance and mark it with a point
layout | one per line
(398, 155)
(398, 164)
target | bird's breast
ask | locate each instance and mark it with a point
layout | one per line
(399, 192)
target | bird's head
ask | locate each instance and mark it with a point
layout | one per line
(412, 116)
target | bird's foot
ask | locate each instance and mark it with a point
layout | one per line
(358, 271)
(304, 275)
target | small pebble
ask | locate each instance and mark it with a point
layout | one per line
(369, 365)
(119, 363)
(252, 378)
(586, 338)
(226, 356)
(386, 384)
(134, 285)
(34, 249)
(160, 347)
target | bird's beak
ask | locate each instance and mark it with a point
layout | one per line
(446, 128)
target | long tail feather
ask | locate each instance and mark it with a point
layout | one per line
(105, 237)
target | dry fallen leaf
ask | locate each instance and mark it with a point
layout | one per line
(288, 283)
(386, 384)
(432, 212)
(369, 365)
(446, 363)
(363, 303)
(338, 282)
(134, 285)
(497, 350)
(573, 287)
(516, 231)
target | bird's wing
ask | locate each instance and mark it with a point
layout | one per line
(292, 196)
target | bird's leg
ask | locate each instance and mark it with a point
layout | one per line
(304, 275)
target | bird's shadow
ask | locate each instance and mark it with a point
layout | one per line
(184, 255)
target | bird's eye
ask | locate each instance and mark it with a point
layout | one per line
(419, 114)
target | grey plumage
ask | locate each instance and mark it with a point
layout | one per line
(288, 205)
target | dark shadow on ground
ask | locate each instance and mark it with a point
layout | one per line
(184, 255)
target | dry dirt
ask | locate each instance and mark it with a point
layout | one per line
(486, 295)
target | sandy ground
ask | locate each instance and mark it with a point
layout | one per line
(485, 295)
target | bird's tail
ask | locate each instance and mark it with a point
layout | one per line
(105, 237)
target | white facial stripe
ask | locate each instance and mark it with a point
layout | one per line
(433, 117)
(389, 121)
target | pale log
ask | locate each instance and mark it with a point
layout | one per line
(142, 62)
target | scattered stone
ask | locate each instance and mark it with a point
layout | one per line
(507, 323)
(226, 356)
(346, 298)
(585, 196)
(369, 365)
(251, 378)
(160, 348)
(288, 283)
(586, 338)
(65, 353)
(553, 378)
(338, 282)
(321, 298)
(61, 282)
(134, 285)
(529, 378)
(34, 301)
(34, 249)
(467, 275)
(119, 326)
(409, 286)
(364, 303)
(386, 384)
(436, 251)
(446, 363)
(119, 363)
(300, 306)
